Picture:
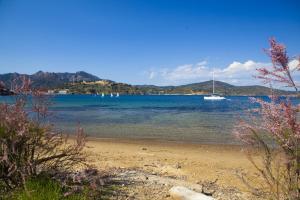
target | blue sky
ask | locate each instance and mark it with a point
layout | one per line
(145, 41)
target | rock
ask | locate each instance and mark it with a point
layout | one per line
(178, 166)
(208, 191)
(131, 172)
(183, 193)
(144, 148)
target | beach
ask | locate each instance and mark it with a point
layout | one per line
(149, 144)
(193, 163)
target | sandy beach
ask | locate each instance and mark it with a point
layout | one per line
(193, 163)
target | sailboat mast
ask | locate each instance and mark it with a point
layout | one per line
(213, 82)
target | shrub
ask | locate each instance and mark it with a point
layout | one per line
(28, 144)
(274, 128)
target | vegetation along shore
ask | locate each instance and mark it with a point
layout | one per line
(85, 83)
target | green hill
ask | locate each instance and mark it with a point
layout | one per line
(85, 83)
(206, 88)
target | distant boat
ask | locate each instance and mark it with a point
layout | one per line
(214, 96)
(117, 94)
(102, 95)
(111, 95)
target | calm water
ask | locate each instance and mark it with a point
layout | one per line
(179, 118)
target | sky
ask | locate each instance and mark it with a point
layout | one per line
(161, 42)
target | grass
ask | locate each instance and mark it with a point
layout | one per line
(45, 188)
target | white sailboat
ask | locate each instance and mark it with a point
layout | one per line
(102, 95)
(111, 95)
(214, 96)
(117, 94)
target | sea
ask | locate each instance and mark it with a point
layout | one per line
(179, 118)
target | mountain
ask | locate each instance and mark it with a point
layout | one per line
(85, 83)
(206, 88)
(228, 89)
(49, 80)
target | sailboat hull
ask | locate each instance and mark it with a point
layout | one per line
(214, 98)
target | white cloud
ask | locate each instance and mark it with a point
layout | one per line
(202, 63)
(235, 73)
(238, 67)
(151, 75)
(295, 67)
(294, 64)
(238, 73)
(184, 72)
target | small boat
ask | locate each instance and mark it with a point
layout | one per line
(102, 95)
(214, 96)
(111, 95)
(117, 94)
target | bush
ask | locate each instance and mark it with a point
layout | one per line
(274, 129)
(29, 145)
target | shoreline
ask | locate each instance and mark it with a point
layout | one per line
(158, 141)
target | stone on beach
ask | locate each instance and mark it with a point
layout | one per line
(183, 193)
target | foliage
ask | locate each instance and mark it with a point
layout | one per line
(28, 144)
(198, 88)
(82, 185)
(274, 129)
(111, 87)
(43, 188)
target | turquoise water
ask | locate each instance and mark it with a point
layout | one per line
(176, 118)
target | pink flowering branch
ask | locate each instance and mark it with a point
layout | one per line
(280, 71)
(29, 146)
(274, 126)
